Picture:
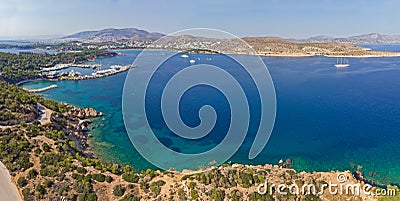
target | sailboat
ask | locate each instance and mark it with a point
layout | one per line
(341, 63)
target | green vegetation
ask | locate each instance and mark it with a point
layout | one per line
(155, 187)
(218, 195)
(14, 150)
(19, 145)
(130, 197)
(16, 106)
(119, 190)
(87, 197)
(194, 195)
(109, 179)
(18, 67)
(99, 177)
(32, 174)
(22, 182)
(130, 177)
(256, 196)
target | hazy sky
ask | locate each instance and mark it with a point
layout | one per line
(285, 18)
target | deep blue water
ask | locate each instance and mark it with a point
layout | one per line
(326, 117)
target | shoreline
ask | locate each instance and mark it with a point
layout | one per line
(8, 189)
(377, 54)
(86, 77)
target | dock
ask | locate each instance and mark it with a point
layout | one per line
(63, 66)
(42, 89)
(98, 75)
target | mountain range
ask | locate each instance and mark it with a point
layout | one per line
(112, 34)
(373, 38)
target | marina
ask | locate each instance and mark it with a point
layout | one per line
(63, 66)
(97, 74)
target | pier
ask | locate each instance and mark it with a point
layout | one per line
(42, 89)
(101, 74)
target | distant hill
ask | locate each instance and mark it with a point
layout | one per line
(267, 46)
(112, 34)
(270, 46)
(373, 38)
(278, 46)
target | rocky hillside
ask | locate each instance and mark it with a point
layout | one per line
(373, 38)
(279, 46)
(112, 34)
(267, 46)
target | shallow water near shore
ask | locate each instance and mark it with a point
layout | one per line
(326, 119)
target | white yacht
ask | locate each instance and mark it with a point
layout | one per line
(341, 63)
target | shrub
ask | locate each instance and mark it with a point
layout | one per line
(127, 169)
(130, 177)
(48, 183)
(49, 171)
(218, 195)
(22, 182)
(193, 194)
(87, 197)
(38, 151)
(119, 190)
(46, 147)
(82, 187)
(192, 185)
(99, 177)
(256, 196)
(155, 189)
(40, 190)
(109, 179)
(130, 197)
(32, 174)
(81, 170)
(26, 193)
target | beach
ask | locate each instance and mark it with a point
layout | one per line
(8, 190)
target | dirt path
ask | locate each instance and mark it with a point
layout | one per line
(45, 117)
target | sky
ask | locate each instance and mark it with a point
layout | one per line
(284, 18)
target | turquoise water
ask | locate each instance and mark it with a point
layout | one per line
(326, 117)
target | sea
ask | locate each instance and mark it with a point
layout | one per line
(327, 118)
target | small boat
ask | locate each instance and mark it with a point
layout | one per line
(341, 63)
(184, 56)
(116, 67)
(192, 61)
